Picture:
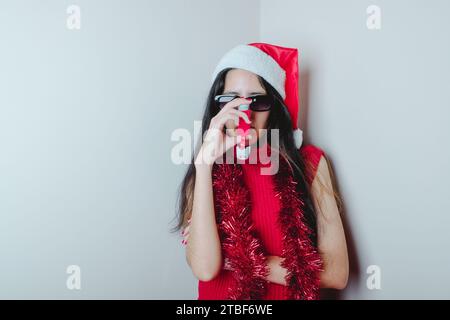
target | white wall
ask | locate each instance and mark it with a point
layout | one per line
(86, 118)
(377, 101)
(85, 124)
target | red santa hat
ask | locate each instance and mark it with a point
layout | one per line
(277, 65)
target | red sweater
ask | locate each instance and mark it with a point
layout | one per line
(265, 209)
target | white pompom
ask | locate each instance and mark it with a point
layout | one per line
(298, 137)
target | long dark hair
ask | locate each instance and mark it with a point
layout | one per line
(280, 119)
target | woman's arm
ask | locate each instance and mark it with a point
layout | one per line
(203, 251)
(331, 238)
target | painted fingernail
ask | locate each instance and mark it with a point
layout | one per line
(182, 233)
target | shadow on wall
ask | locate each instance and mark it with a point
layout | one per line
(355, 270)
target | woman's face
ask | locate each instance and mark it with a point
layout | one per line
(245, 83)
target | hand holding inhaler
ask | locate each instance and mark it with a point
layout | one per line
(243, 152)
(217, 140)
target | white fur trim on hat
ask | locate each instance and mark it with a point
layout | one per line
(253, 59)
(298, 137)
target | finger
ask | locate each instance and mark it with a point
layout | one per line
(231, 141)
(231, 127)
(224, 118)
(233, 120)
(184, 227)
(226, 264)
(241, 114)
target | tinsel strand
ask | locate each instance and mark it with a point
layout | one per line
(301, 258)
(240, 242)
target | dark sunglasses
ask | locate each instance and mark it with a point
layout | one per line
(260, 102)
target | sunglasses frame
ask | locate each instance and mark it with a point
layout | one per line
(254, 98)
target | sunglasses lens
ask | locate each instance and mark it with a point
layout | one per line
(261, 103)
(222, 100)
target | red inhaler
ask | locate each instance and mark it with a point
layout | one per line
(243, 127)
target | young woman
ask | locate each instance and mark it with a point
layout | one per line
(250, 235)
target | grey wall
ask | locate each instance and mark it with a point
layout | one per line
(86, 118)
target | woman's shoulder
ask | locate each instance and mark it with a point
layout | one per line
(311, 152)
(312, 155)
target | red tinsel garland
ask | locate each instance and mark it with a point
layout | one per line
(240, 243)
(242, 246)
